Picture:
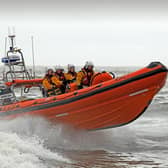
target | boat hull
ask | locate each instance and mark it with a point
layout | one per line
(113, 103)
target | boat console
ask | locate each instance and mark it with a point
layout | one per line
(7, 96)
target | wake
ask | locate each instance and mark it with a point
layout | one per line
(22, 145)
(59, 137)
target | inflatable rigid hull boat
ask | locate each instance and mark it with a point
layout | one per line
(108, 104)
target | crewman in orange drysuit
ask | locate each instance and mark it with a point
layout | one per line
(85, 75)
(51, 84)
(61, 77)
(70, 76)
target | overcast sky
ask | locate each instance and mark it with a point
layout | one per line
(107, 32)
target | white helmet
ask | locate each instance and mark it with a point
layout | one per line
(88, 63)
(58, 67)
(48, 69)
(70, 66)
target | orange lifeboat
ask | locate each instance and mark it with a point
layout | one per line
(109, 102)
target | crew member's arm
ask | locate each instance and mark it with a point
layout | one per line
(79, 78)
(56, 81)
(46, 84)
(68, 77)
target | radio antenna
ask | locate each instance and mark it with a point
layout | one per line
(11, 35)
(32, 40)
(5, 46)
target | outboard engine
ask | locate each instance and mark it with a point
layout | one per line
(6, 95)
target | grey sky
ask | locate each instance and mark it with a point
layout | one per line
(108, 32)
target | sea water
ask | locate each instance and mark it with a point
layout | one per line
(32, 142)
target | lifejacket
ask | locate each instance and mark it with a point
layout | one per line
(50, 88)
(70, 77)
(60, 76)
(87, 77)
(47, 82)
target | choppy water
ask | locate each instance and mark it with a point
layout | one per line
(34, 143)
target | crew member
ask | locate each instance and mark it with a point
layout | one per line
(51, 84)
(70, 76)
(61, 77)
(85, 75)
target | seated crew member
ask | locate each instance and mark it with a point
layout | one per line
(61, 77)
(84, 76)
(70, 76)
(50, 84)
